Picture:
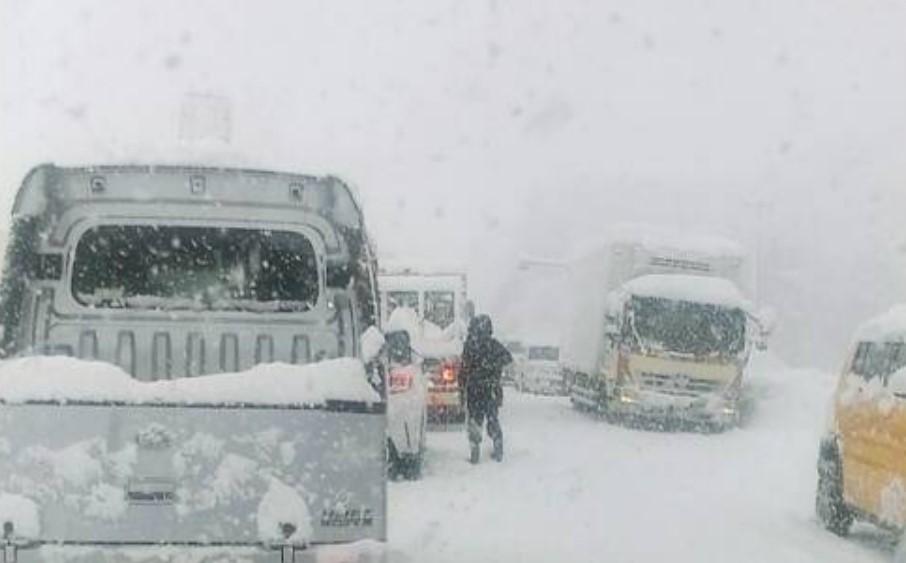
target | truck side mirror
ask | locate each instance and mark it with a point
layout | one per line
(399, 347)
(612, 327)
(764, 323)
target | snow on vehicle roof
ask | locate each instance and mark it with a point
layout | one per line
(648, 235)
(890, 325)
(421, 282)
(659, 239)
(64, 379)
(695, 289)
(420, 266)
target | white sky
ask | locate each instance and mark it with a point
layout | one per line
(478, 130)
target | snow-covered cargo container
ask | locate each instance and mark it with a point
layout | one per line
(659, 328)
(156, 283)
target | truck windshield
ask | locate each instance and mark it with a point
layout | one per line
(547, 353)
(439, 308)
(687, 328)
(206, 268)
(407, 299)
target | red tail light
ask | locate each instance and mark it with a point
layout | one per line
(448, 373)
(400, 380)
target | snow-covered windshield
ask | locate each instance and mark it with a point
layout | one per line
(878, 359)
(683, 327)
(208, 268)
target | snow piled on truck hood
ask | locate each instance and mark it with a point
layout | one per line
(55, 378)
(695, 289)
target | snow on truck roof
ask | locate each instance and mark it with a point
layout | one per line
(695, 289)
(663, 241)
(421, 282)
(890, 325)
(64, 379)
(650, 236)
(420, 266)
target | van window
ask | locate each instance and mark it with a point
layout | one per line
(439, 308)
(206, 268)
(858, 366)
(874, 359)
(897, 356)
(407, 299)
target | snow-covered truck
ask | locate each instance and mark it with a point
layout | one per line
(659, 330)
(440, 300)
(185, 368)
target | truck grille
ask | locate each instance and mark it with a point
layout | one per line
(680, 385)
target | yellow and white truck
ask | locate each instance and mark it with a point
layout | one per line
(659, 330)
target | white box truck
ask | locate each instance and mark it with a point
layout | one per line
(439, 299)
(659, 330)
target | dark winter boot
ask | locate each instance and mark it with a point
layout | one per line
(475, 453)
(497, 454)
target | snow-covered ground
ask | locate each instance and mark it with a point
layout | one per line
(577, 489)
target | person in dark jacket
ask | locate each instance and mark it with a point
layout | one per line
(483, 360)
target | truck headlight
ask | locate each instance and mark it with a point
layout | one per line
(626, 396)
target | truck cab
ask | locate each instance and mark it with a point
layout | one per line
(679, 346)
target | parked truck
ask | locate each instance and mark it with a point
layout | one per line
(206, 391)
(660, 331)
(439, 299)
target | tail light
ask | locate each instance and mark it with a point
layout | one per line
(445, 374)
(448, 372)
(400, 380)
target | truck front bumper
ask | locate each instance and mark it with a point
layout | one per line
(711, 410)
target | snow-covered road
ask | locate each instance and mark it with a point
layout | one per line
(577, 489)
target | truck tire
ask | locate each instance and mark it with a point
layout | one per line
(393, 461)
(411, 466)
(830, 507)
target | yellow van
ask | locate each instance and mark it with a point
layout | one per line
(862, 459)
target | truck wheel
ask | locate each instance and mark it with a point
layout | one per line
(411, 467)
(830, 507)
(602, 401)
(394, 463)
(576, 404)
